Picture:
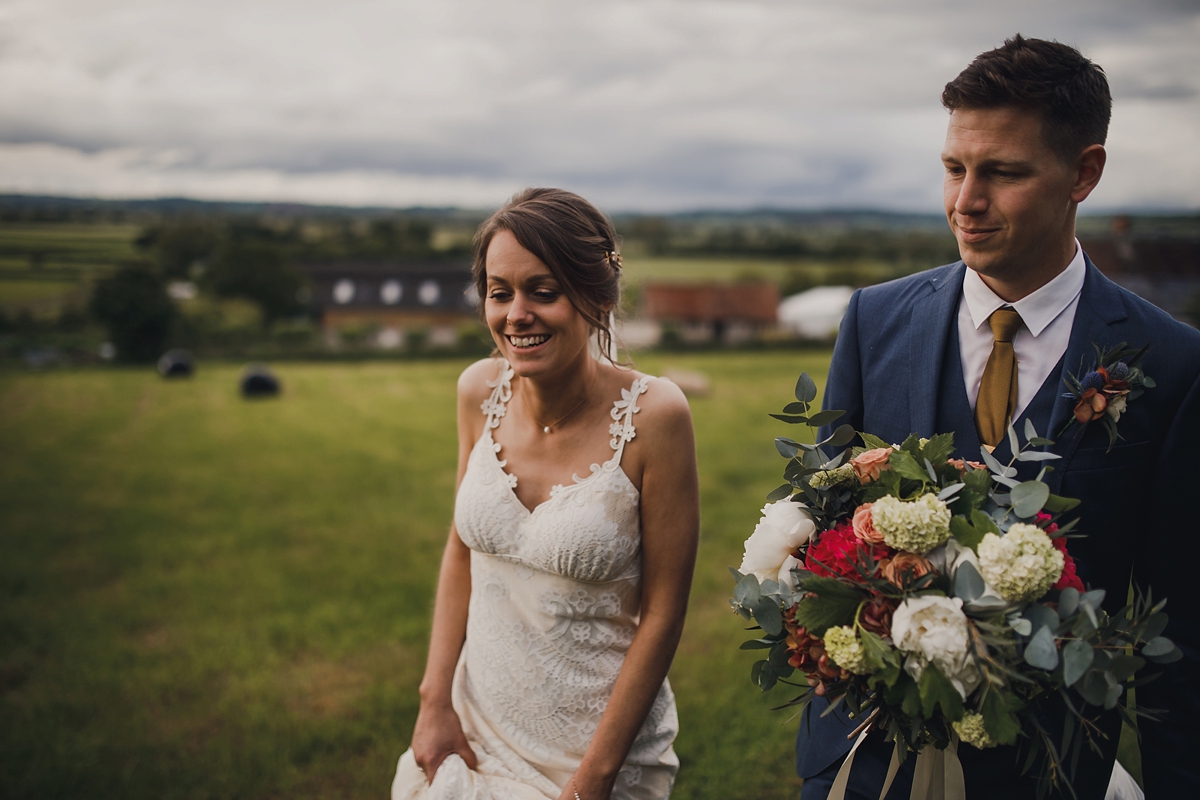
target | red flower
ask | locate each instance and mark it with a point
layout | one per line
(1068, 577)
(838, 551)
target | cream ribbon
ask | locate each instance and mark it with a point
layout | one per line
(937, 775)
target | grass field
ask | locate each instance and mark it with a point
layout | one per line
(202, 597)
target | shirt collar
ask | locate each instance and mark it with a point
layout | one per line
(1038, 309)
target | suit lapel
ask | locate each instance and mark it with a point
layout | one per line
(929, 329)
(1100, 306)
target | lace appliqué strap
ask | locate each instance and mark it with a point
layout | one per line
(496, 406)
(622, 413)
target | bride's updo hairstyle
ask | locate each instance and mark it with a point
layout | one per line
(573, 239)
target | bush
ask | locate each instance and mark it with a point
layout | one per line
(134, 307)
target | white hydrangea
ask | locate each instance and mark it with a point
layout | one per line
(972, 731)
(1022, 564)
(785, 525)
(917, 525)
(845, 649)
(933, 628)
(833, 477)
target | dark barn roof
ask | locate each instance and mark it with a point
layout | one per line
(391, 287)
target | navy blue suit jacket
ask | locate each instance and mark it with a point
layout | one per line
(1137, 511)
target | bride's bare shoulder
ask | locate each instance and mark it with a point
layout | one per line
(662, 404)
(473, 382)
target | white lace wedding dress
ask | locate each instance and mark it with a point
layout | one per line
(555, 596)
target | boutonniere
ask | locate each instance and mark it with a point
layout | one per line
(1105, 391)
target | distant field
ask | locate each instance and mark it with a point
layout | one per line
(202, 597)
(723, 270)
(44, 265)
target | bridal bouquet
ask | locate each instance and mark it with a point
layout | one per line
(936, 598)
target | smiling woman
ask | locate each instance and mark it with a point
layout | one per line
(548, 678)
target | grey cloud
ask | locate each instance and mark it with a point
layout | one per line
(652, 103)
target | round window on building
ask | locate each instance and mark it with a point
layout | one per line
(391, 292)
(429, 292)
(343, 291)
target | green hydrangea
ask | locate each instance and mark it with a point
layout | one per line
(917, 526)
(1022, 564)
(971, 730)
(845, 649)
(832, 477)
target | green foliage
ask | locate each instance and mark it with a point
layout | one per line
(938, 693)
(134, 307)
(258, 272)
(832, 603)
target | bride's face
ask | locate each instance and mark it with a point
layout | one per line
(532, 321)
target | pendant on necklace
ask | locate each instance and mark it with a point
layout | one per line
(546, 429)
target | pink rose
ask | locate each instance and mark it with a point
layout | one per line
(868, 465)
(864, 525)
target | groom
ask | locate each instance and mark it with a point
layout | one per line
(933, 353)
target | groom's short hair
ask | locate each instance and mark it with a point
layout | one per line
(1068, 91)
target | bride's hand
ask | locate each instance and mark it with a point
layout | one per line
(437, 734)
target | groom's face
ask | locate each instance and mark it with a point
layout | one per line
(1008, 198)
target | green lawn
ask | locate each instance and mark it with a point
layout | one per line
(202, 597)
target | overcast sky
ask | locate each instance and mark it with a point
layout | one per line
(638, 105)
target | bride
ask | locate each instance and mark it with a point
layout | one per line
(565, 578)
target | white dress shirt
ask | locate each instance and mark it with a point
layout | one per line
(1046, 319)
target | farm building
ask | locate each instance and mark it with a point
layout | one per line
(393, 299)
(704, 311)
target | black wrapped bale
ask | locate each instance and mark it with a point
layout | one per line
(258, 381)
(176, 364)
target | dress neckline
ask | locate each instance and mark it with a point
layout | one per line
(621, 429)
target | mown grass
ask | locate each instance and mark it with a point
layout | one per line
(202, 597)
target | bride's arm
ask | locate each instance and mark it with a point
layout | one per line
(670, 511)
(438, 732)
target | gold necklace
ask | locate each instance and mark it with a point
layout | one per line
(546, 428)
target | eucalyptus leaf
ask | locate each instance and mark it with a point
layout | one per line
(779, 492)
(985, 605)
(757, 644)
(1041, 616)
(1154, 625)
(746, 592)
(1077, 659)
(1014, 444)
(806, 388)
(791, 419)
(968, 583)
(1158, 646)
(1057, 505)
(1022, 626)
(995, 466)
(1068, 602)
(1041, 652)
(950, 491)
(778, 659)
(1028, 498)
(1030, 430)
(786, 448)
(796, 408)
(1093, 688)
(843, 436)
(768, 615)
(1036, 455)
(1004, 481)
(824, 418)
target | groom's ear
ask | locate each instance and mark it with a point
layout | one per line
(1089, 166)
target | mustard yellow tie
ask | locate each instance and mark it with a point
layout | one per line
(998, 389)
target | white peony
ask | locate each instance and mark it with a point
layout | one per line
(1022, 564)
(786, 579)
(932, 628)
(785, 525)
